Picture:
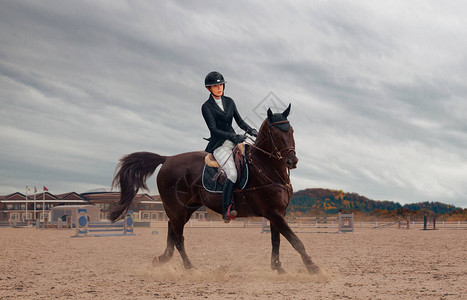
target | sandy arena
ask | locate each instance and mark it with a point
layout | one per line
(233, 263)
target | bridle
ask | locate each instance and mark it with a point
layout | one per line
(276, 153)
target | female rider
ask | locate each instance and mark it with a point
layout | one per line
(218, 112)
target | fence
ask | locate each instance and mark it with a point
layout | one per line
(452, 225)
(257, 223)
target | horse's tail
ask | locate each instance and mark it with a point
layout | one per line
(131, 174)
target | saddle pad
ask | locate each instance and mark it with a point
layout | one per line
(216, 186)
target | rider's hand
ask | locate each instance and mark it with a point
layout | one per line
(253, 132)
(237, 138)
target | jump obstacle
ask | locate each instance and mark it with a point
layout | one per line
(101, 229)
(426, 223)
(404, 224)
(342, 224)
(401, 224)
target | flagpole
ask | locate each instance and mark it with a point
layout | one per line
(35, 190)
(26, 217)
(43, 206)
(44, 189)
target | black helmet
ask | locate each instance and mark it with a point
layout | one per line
(214, 78)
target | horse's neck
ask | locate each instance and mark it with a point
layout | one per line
(269, 165)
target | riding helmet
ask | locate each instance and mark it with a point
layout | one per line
(214, 78)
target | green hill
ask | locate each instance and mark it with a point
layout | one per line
(325, 201)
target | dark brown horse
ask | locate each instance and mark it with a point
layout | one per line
(267, 193)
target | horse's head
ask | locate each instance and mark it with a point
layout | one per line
(280, 133)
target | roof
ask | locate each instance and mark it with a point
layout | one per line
(101, 196)
(115, 196)
(73, 197)
(15, 196)
(22, 197)
(46, 196)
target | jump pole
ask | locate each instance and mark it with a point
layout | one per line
(345, 224)
(102, 229)
(425, 223)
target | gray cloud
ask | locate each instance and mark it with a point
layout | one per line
(377, 92)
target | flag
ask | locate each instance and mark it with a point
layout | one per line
(28, 189)
(35, 189)
(45, 189)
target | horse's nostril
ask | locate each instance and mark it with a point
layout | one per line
(291, 163)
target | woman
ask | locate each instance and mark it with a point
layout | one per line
(218, 112)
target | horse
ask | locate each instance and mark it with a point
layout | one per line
(267, 193)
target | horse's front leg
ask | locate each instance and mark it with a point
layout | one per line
(281, 225)
(276, 242)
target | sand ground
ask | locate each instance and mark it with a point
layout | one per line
(233, 263)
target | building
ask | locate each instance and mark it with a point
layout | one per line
(145, 207)
(17, 207)
(66, 213)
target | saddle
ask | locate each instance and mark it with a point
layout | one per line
(211, 161)
(214, 177)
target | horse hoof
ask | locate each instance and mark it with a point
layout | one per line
(160, 260)
(188, 266)
(276, 265)
(233, 213)
(156, 262)
(280, 271)
(226, 220)
(313, 269)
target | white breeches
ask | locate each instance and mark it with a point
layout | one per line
(225, 158)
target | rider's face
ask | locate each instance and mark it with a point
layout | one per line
(217, 90)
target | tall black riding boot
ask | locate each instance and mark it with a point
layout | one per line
(227, 194)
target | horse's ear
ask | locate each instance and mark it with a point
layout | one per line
(286, 112)
(269, 114)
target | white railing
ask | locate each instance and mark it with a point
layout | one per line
(332, 223)
(413, 224)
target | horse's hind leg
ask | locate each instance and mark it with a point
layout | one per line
(276, 241)
(175, 185)
(169, 250)
(176, 239)
(179, 240)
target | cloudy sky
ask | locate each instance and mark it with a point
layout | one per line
(378, 89)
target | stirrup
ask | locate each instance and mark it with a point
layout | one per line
(231, 214)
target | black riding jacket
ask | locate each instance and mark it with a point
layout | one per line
(220, 122)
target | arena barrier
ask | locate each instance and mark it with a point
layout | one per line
(341, 224)
(100, 229)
